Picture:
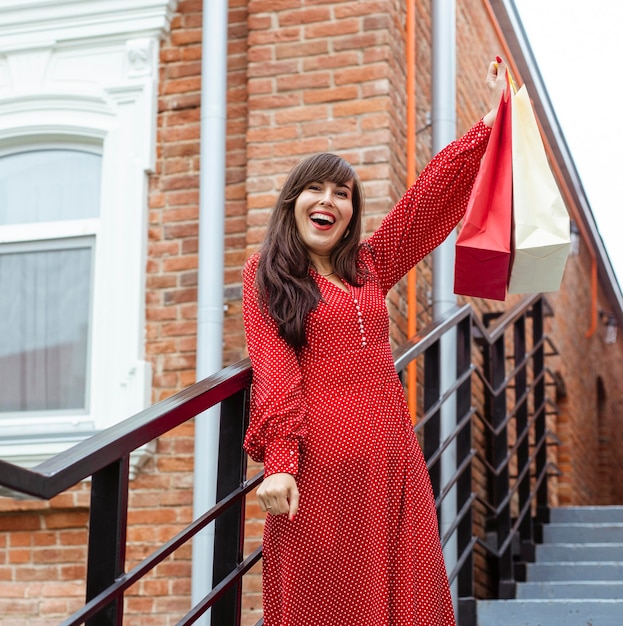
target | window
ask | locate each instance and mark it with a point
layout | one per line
(46, 282)
(78, 88)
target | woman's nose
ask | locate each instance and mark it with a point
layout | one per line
(326, 198)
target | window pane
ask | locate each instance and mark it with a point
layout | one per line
(44, 329)
(48, 186)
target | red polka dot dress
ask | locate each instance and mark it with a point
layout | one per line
(364, 547)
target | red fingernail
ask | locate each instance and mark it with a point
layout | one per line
(498, 59)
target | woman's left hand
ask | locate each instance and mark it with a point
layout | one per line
(279, 494)
(496, 82)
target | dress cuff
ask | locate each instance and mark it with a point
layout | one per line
(281, 456)
(476, 140)
(481, 129)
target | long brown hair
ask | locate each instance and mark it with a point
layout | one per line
(284, 286)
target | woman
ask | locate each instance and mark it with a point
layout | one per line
(351, 536)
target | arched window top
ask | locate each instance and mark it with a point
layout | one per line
(48, 185)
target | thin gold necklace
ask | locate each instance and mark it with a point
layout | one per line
(325, 275)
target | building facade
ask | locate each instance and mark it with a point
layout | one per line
(100, 111)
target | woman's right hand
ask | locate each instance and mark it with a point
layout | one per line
(279, 494)
(496, 82)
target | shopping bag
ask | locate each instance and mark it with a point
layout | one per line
(541, 233)
(483, 245)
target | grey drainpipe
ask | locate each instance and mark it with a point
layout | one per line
(444, 131)
(210, 298)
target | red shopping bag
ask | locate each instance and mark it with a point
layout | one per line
(483, 246)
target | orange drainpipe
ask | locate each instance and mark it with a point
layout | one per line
(564, 188)
(411, 174)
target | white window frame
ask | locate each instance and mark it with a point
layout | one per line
(84, 75)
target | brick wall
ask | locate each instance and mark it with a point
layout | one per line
(42, 558)
(303, 77)
(588, 427)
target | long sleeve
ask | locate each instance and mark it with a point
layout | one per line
(430, 209)
(278, 422)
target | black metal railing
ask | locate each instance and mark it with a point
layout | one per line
(496, 391)
(515, 421)
(491, 418)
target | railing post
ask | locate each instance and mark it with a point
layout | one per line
(467, 603)
(229, 527)
(107, 537)
(432, 429)
(526, 534)
(498, 451)
(540, 425)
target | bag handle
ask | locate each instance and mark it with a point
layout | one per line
(512, 83)
(509, 77)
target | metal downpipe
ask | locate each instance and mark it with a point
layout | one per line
(444, 132)
(210, 298)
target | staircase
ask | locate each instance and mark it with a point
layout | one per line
(576, 579)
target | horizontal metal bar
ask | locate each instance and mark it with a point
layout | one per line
(465, 464)
(465, 509)
(451, 437)
(493, 334)
(505, 545)
(125, 581)
(508, 418)
(419, 343)
(469, 549)
(68, 468)
(199, 609)
(444, 397)
(513, 489)
(506, 383)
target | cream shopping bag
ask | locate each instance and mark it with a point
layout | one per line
(541, 227)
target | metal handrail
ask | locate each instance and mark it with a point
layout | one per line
(68, 468)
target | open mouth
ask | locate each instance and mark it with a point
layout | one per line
(322, 219)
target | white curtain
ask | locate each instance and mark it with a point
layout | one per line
(46, 283)
(44, 321)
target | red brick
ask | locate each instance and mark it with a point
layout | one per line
(308, 80)
(269, 6)
(19, 523)
(186, 37)
(345, 58)
(176, 264)
(331, 95)
(302, 50)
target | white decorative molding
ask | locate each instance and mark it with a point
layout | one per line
(27, 68)
(140, 57)
(23, 23)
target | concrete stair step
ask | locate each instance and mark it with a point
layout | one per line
(577, 578)
(549, 612)
(583, 533)
(587, 515)
(571, 590)
(572, 570)
(548, 552)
